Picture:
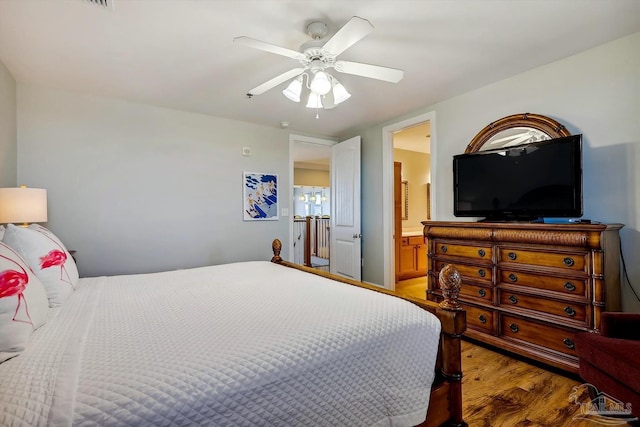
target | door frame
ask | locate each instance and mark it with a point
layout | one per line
(294, 139)
(388, 250)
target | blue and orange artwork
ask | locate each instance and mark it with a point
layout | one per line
(260, 196)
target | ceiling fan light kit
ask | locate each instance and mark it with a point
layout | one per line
(314, 101)
(315, 57)
(340, 94)
(320, 83)
(294, 90)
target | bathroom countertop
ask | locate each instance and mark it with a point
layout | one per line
(411, 233)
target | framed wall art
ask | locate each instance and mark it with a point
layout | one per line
(260, 195)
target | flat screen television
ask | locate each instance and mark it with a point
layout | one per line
(526, 182)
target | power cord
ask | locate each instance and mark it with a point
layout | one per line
(626, 274)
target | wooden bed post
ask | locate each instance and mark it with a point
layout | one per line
(276, 247)
(454, 321)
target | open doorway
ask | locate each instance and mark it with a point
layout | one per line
(310, 160)
(389, 232)
(412, 188)
(345, 225)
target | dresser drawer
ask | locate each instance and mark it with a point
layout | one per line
(569, 286)
(479, 293)
(564, 309)
(480, 318)
(476, 272)
(538, 334)
(574, 261)
(466, 251)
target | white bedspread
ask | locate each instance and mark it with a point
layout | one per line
(237, 344)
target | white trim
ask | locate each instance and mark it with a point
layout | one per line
(388, 251)
(293, 139)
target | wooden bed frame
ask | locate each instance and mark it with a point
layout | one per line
(445, 405)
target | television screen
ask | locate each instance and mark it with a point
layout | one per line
(524, 182)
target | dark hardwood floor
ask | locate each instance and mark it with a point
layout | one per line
(500, 390)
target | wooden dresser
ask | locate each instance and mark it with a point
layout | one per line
(529, 288)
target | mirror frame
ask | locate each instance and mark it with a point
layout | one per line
(536, 121)
(405, 200)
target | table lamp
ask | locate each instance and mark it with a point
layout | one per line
(23, 205)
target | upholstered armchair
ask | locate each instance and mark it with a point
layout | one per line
(610, 360)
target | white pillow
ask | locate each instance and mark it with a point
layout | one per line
(23, 303)
(47, 257)
(2, 232)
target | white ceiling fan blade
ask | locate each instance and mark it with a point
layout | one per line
(275, 81)
(392, 75)
(268, 47)
(351, 32)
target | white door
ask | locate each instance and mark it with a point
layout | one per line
(345, 229)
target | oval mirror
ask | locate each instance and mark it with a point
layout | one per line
(515, 130)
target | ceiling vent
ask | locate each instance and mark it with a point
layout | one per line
(105, 4)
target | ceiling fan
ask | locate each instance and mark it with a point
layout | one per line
(315, 57)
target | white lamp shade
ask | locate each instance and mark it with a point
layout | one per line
(320, 83)
(340, 94)
(23, 205)
(294, 89)
(315, 101)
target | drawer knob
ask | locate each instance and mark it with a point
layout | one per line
(481, 252)
(570, 286)
(481, 273)
(568, 261)
(482, 293)
(443, 248)
(512, 256)
(569, 343)
(513, 299)
(570, 311)
(482, 318)
(513, 277)
(514, 328)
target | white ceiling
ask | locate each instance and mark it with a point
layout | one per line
(415, 138)
(179, 53)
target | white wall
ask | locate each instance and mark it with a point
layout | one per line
(135, 188)
(8, 129)
(596, 93)
(311, 177)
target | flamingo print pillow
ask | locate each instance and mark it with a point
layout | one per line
(47, 257)
(23, 303)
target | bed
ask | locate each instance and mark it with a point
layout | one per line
(251, 343)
